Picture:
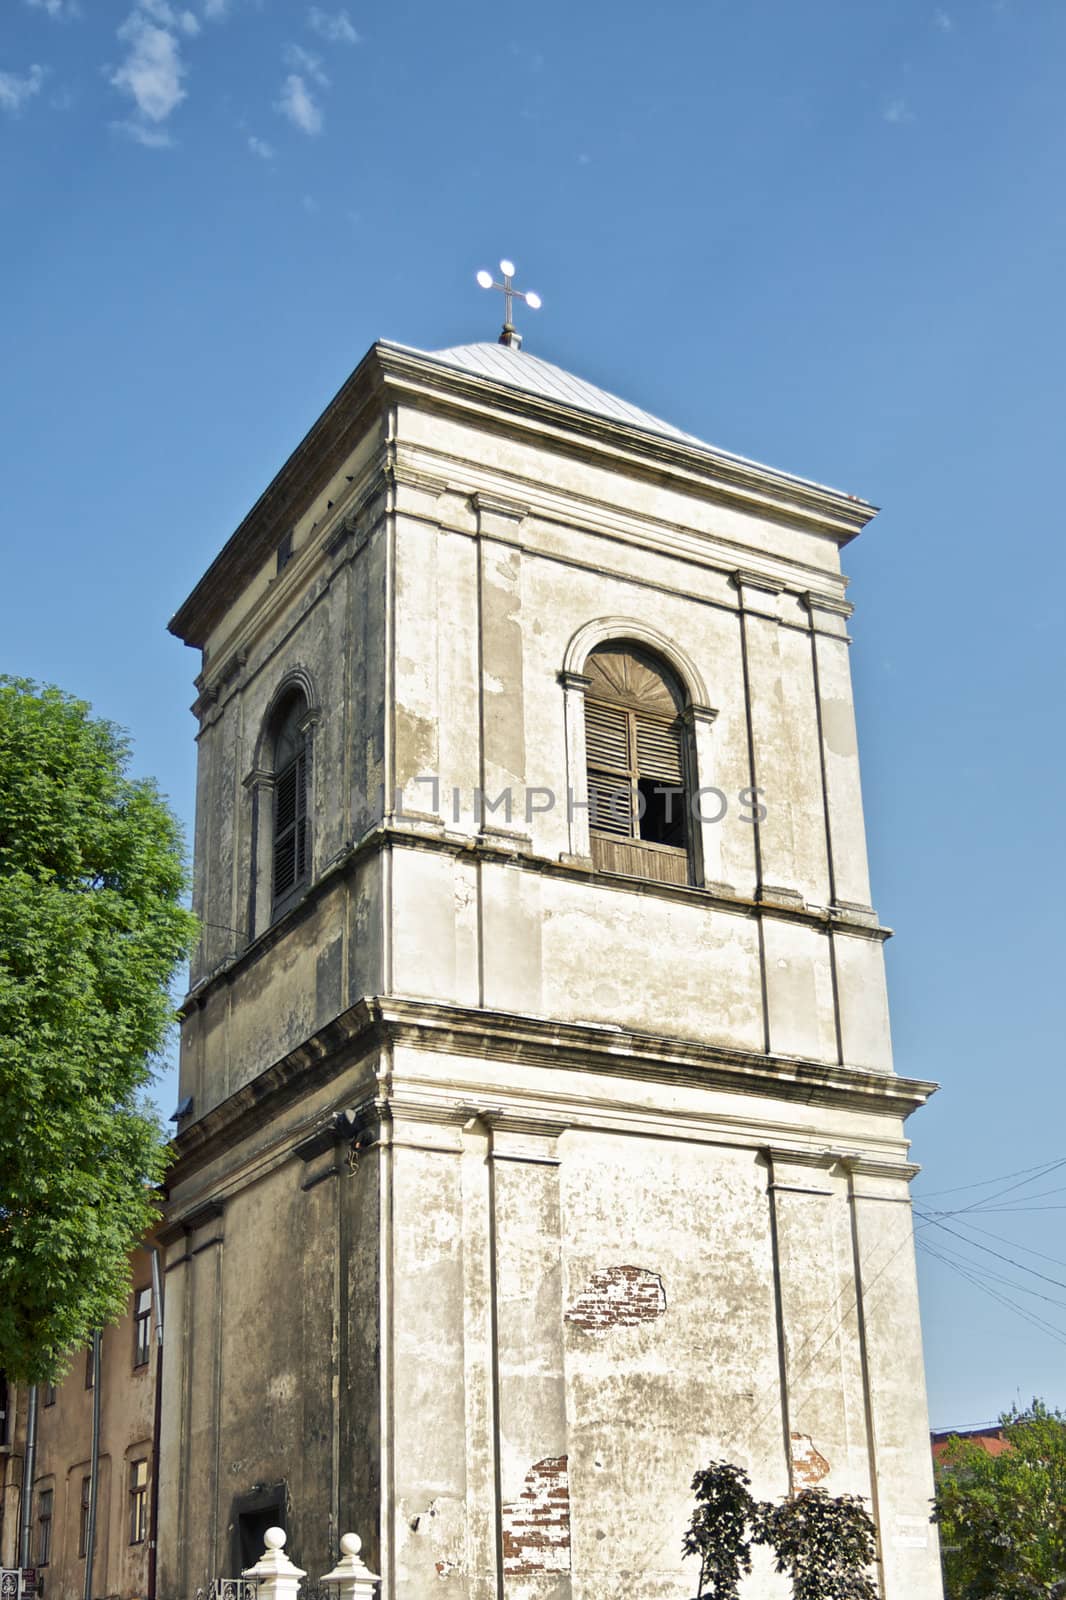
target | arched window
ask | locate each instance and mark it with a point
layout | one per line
(292, 845)
(635, 744)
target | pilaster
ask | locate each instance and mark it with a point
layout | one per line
(846, 833)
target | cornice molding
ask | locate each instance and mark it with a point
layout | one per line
(866, 1166)
(774, 492)
(816, 600)
(498, 505)
(391, 371)
(399, 472)
(821, 1159)
(376, 1028)
(746, 578)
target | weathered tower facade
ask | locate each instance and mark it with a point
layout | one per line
(541, 1139)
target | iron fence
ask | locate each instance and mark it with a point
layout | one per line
(224, 1589)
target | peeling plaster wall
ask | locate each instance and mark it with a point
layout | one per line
(647, 1304)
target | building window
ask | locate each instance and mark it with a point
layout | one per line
(635, 742)
(138, 1501)
(292, 855)
(284, 551)
(44, 1526)
(142, 1326)
(49, 1394)
(90, 1368)
(83, 1517)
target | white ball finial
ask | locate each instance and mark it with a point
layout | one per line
(351, 1544)
(274, 1538)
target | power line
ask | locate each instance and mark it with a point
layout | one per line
(984, 1183)
(1029, 1251)
(1021, 1184)
(1024, 1312)
(1008, 1211)
(1024, 1199)
(1018, 1265)
(1031, 1317)
(998, 1277)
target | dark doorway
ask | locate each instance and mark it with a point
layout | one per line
(253, 1514)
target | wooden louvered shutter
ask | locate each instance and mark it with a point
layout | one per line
(290, 826)
(607, 739)
(658, 750)
(611, 804)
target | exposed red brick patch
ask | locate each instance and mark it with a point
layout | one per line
(536, 1526)
(808, 1465)
(619, 1297)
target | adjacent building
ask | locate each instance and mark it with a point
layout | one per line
(53, 1527)
(992, 1440)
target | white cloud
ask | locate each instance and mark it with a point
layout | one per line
(298, 104)
(161, 12)
(943, 21)
(336, 27)
(15, 91)
(216, 10)
(58, 10)
(306, 64)
(152, 71)
(260, 148)
(898, 111)
(310, 204)
(151, 138)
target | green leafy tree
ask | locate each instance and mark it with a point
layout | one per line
(1003, 1518)
(721, 1529)
(825, 1543)
(92, 930)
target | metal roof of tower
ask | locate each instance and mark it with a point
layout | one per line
(507, 365)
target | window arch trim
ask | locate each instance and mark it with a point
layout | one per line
(624, 630)
(296, 681)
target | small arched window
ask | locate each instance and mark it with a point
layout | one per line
(635, 743)
(292, 845)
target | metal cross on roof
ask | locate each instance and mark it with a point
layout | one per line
(510, 335)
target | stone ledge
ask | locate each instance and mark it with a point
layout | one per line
(369, 1031)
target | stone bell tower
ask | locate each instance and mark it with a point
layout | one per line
(540, 1137)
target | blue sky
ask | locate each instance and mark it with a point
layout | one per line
(827, 235)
